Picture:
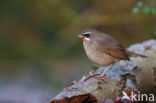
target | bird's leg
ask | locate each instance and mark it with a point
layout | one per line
(103, 74)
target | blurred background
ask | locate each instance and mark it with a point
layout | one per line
(39, 51)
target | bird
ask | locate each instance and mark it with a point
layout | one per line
(103, 49)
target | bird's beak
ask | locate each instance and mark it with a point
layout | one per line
(79, 36)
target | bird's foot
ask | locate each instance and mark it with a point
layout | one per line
(97, 76)
(102, 77)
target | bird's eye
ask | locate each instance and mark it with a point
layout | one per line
(86, 35)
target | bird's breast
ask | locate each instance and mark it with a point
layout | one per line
(99, 57)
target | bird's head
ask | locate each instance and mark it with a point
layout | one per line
(88, 35)
(85, 37)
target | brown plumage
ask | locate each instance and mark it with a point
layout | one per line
(130, 54)
(103, 49)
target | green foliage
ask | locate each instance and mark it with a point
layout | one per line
(148, 8)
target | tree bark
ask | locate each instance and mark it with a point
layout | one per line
(138, 74)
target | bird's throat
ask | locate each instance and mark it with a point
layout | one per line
(84, 41)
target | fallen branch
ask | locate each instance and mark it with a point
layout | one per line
(138, 74)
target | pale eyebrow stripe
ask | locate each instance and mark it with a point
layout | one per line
(87, 32)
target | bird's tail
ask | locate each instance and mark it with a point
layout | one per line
(133, 54)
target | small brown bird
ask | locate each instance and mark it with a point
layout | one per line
(103, 49)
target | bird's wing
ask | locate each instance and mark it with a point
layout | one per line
(116, 51)
(110, 46)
